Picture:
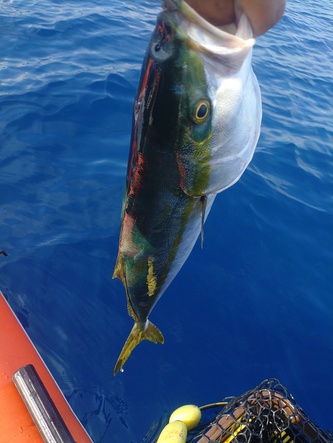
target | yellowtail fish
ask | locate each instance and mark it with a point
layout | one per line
(196, 123)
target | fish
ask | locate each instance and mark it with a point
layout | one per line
(196, 123)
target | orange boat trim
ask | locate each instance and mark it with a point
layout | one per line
(17, 350)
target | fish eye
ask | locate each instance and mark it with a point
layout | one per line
(201, 112)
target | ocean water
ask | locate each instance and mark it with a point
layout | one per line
(256, 302)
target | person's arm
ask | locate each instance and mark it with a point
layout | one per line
(217, 12)
(263, 14)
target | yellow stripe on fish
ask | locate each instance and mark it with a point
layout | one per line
(151, 277)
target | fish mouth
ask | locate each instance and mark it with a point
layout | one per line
(205, 37)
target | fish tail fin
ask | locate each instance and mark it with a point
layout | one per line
(137, 334)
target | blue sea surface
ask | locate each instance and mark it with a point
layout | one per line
(256, 302)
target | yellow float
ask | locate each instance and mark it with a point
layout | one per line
(181, 420)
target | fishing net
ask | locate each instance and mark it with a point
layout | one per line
(266, 414)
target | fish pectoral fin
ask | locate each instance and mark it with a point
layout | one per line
(203, 200)
(137, 334)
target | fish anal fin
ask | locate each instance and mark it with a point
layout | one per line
(149, 332)
(153, 334)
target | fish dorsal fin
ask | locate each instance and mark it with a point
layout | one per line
(203, 201)
(120, 272)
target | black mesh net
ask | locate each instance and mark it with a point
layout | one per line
(268, 413)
